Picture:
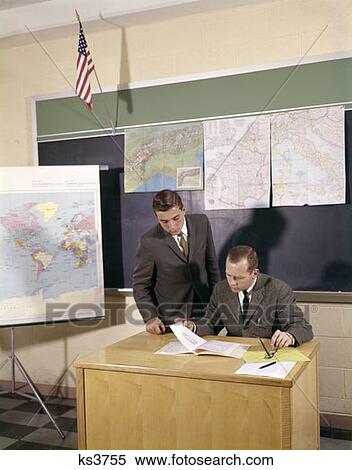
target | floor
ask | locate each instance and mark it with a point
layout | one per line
(24, 425)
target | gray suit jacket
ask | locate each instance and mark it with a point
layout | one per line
(164, 282)
(272, 307)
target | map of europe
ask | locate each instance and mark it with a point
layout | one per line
(308, 157)
(164, 157)
(237, 163)
(47, 246)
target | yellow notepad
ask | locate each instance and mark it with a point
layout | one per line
(282, 355)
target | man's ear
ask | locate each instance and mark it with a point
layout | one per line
(256, 272)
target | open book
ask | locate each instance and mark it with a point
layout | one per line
(215, 347)
(190, 343)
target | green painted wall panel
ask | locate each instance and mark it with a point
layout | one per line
(288, 87)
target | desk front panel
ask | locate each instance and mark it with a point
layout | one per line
(140, 411)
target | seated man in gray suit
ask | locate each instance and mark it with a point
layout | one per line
(249, 303)
(176, 266)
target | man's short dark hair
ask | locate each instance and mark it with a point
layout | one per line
(240, 252)
(165, 200)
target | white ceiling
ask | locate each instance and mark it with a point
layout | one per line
(38, 15)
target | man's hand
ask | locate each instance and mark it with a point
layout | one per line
(281, 339)
(187, 323)
(155, 326)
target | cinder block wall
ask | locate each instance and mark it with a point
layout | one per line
(332, 324)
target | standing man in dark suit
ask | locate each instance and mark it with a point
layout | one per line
(176, 266)
(249, 303)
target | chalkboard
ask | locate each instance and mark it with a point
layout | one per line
(308, 247)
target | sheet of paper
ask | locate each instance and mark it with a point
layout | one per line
(175, 347)
(282, 355)
(190, 340)
(278, 370)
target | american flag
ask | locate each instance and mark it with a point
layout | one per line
(84, 67)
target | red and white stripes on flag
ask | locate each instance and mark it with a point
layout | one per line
(84, 67)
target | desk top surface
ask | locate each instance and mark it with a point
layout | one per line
(136, 355)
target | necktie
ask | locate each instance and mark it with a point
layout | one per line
(245, 304)
(184, 244)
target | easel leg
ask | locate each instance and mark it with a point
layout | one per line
(37, 396)
(1, 366)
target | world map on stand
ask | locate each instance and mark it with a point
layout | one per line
(47, 250)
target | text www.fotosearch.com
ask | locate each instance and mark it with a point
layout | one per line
(230, 460)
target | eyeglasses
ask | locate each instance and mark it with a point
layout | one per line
(269, 354)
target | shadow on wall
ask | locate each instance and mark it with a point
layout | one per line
(263, 232)
(123, 75)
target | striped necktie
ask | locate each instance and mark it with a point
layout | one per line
(183, 243)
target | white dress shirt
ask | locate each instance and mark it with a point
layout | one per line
(249, 290)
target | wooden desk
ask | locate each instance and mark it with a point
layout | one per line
(130, 398)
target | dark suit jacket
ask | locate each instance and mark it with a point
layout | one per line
(272, 307)
(164, 282)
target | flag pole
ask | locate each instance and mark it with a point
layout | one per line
(95, 116)
(101, 91)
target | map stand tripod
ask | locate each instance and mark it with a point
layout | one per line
(14, 361)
